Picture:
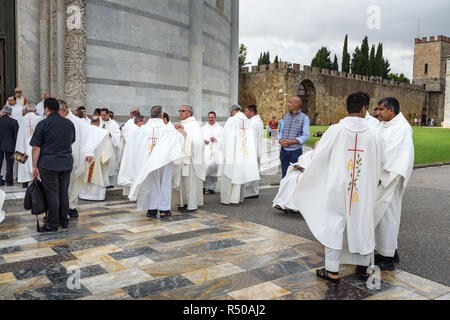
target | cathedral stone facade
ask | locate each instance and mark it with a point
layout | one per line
(124, 53)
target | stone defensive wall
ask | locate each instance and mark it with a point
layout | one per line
(324, 91)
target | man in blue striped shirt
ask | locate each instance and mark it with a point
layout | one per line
(293, 134)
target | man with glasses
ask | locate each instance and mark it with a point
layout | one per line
(21, 100)
(189, 180)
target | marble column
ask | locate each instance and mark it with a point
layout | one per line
(196, 49)
(44, 49)
(446, 123)
(60, 30)
(75, 53)
(234, 56)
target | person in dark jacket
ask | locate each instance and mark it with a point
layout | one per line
(9, 128)
(53, 162)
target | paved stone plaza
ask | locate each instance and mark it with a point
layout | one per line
(121, 254)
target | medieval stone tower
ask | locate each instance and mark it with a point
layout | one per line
(431, 70)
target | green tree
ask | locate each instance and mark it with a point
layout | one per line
(335, 65)
(386, 68)
(243, 57)
(264, 58)
(400, 78)
(364, 62)
(372, 61)
(346, 57)
(356, 61)
(379, 63)
(322, 59)
(276, 61)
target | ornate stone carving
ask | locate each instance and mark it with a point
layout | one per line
(75, 53)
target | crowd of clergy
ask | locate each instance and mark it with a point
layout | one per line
(348, 189)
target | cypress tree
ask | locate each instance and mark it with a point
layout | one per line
(267, 62)
(365, 65)
(335, 64)
(345, 57)
(379, 64)
(372, 61)
(386, 68)
(356, 61)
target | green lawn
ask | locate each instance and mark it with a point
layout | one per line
(431, 144)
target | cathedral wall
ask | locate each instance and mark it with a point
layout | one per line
(28, 63)
(138, 54)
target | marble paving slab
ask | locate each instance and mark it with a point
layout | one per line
(122, 255)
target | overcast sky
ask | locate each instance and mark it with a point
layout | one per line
(296, 29)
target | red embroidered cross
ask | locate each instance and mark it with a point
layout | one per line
(152, 144)
(29, 126)
(355, 150)
(243, 125)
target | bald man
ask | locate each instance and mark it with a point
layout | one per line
(294, 133)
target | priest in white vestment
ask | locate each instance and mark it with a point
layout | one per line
(399, 149)
(337, 192)
(251, 189)
(115, 136)
(26, 130)
(96, 175)
(283, 200)
(89, 141)
(2, 200)
(240, 164)
(212, 135)
(372, 120)
(138, 121)
(134, 112)
(189, 177)
(147, 165)
(40, 106)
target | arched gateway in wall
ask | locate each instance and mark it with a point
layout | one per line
(307, 91)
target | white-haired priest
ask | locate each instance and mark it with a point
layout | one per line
(147, 164)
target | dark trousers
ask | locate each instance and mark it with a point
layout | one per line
(288, 157)
(56, 188)
(9, 165)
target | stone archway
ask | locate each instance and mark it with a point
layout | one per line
(307, 91)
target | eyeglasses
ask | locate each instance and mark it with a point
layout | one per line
(18, 91)
(183, 111)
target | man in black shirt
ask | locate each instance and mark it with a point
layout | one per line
(8, 136)
(53, 162)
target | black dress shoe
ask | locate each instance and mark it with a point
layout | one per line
(254, 197)
(46, 228)
(152, 214)
(73, 214)
(386, 266)
(64, 225)
(2, 183)
(10, 184)
(211, 192)
(25, 185)
(180, 209)
(186, 210)
(396, 258)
